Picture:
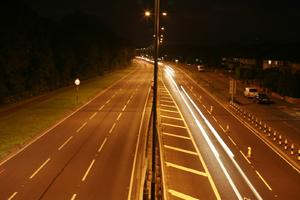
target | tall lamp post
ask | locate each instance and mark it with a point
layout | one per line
(154, 107)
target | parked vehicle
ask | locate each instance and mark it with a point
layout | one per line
(200, 68)
(250, 92)
(262, 98)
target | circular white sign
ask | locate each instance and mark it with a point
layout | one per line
(77, 81)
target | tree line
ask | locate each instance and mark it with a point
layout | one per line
(38, 55)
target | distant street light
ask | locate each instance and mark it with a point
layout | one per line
(164, 14)
(147, 13)
(77, 83)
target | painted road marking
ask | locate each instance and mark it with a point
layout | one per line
(215, 119)
(74, 197)
(173, 125)
(13, 195)
(112, 128)
(174, 135)
(88, 170)
(102, 145)
(128, 101)
(119, 116)
(166, 101)
(62, 146)
(222, 128)
(245, 157)
(91, 117)
(186, 169)
(265, 182)
(176, 118)
(37, 171)
(2, 171)
(101, 108)
(181, 195)
(232, 140)
(123, 109)
(107, 102)
(81, 127)
(200, 156)
(171, 111)
(181, 150)
(170, 106)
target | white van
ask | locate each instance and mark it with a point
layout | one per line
(200, 68)
(250, 92)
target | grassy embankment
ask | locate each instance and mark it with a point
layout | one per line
(21, 126)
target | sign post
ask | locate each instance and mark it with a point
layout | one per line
(77, 83)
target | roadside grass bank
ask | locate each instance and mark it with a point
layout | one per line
(19, 127)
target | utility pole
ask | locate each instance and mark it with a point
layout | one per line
(154, 106)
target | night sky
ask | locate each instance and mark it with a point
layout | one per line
(190, 21)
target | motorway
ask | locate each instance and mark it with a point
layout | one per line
(232, 173)
(91, 154)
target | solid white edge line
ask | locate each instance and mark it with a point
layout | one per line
(137, 146)
(64, 119)
(88, 170)
(12, 196)
(39, 169)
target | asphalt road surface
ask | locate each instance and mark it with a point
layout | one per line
(223, 143)
(89, 155)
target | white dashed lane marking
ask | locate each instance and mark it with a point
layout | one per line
(102, 145)
(81, 127)
(39, 169)
(91, 117)
(13, 195)
(62, 146)
(88, 170)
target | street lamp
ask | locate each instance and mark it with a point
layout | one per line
(154, 106)
(77, 83)
(147, 13)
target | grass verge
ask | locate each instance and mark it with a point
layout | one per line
(21, 126)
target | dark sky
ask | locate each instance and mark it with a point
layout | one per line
(190, 21)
